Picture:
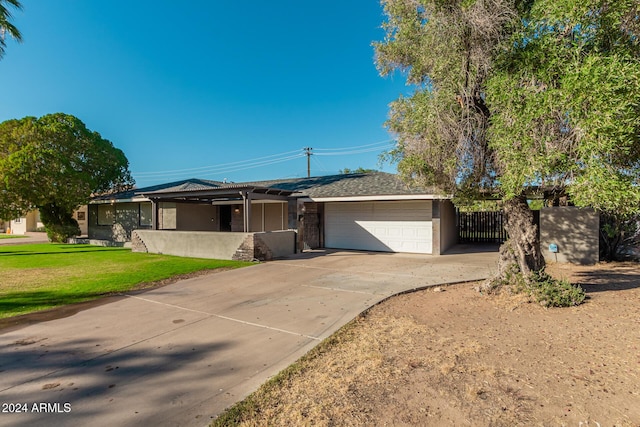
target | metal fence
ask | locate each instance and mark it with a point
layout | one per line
(481, 227)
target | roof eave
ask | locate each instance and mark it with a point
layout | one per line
(384, 197)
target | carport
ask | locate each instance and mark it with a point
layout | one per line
(191, 220)
(240, 196)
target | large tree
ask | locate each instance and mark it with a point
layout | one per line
(54, 163)
(514, 95)
(6, 27)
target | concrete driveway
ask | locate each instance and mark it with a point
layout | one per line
(180, 354)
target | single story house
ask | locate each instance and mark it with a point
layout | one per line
(31, 222)
(362, 211)
(28, 223)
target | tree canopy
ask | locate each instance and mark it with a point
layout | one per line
(6, 26)
(514, 95)
(54, 163)
(359, 169)
(565, 103)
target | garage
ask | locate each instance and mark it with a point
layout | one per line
(386, 226)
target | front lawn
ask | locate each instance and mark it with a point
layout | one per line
(10, 236)
(41, 276)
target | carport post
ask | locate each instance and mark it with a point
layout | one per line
(246, 201)
(154, 215)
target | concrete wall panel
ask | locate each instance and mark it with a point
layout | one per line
(214, 245)
(193, 217)
(280, 243)
(573, 230)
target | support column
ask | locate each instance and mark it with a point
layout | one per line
(435, 228)
(246, 208)
(248, 212)
(154, 215)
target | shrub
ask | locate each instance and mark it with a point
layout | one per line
(60, 233)
(540, 286)
(550, 292)
(619, 236)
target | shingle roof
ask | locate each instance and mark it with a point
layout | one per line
(343, 185)
(188, 185)
(191, 183)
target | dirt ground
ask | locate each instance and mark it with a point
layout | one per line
(453, 357)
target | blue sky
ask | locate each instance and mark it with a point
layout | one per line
(209, 89)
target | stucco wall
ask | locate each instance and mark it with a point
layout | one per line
(193, 217)
(281, 243)
(444, 231)
(29, 222)
(264, 217)
(573, 230)
(215, 245)
(448, 230)
(275, 216)
(18, 226)
(256, 217)
(167, 216)
(82, 216)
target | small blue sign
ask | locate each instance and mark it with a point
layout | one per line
(553, 248)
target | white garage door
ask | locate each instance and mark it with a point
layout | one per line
(402, 226)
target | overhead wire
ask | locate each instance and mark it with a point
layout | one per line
(349, 152)
(216, 166)
(385, 142)
(231, 167)
(227, 169)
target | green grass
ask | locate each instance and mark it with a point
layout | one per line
(40, 276)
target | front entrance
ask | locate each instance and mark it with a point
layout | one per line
(225, 217)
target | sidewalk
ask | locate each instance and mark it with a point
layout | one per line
(30, 237)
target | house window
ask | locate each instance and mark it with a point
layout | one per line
(81, 216)
(17, 220)
(145, 215)
(106, 214)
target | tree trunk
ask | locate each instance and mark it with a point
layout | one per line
(521, 253)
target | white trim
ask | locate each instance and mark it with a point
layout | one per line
(112, 201)
(376, 198)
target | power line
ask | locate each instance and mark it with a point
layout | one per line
(385, 142)
(231, 167)
(348, 153)
(227, 169)
(215, 166)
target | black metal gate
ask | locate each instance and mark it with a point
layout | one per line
(480, 227)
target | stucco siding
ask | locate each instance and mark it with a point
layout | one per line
(573, 230)
(193, 217)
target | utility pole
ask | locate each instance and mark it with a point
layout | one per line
(307, 151)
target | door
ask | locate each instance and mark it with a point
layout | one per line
(388, 226)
